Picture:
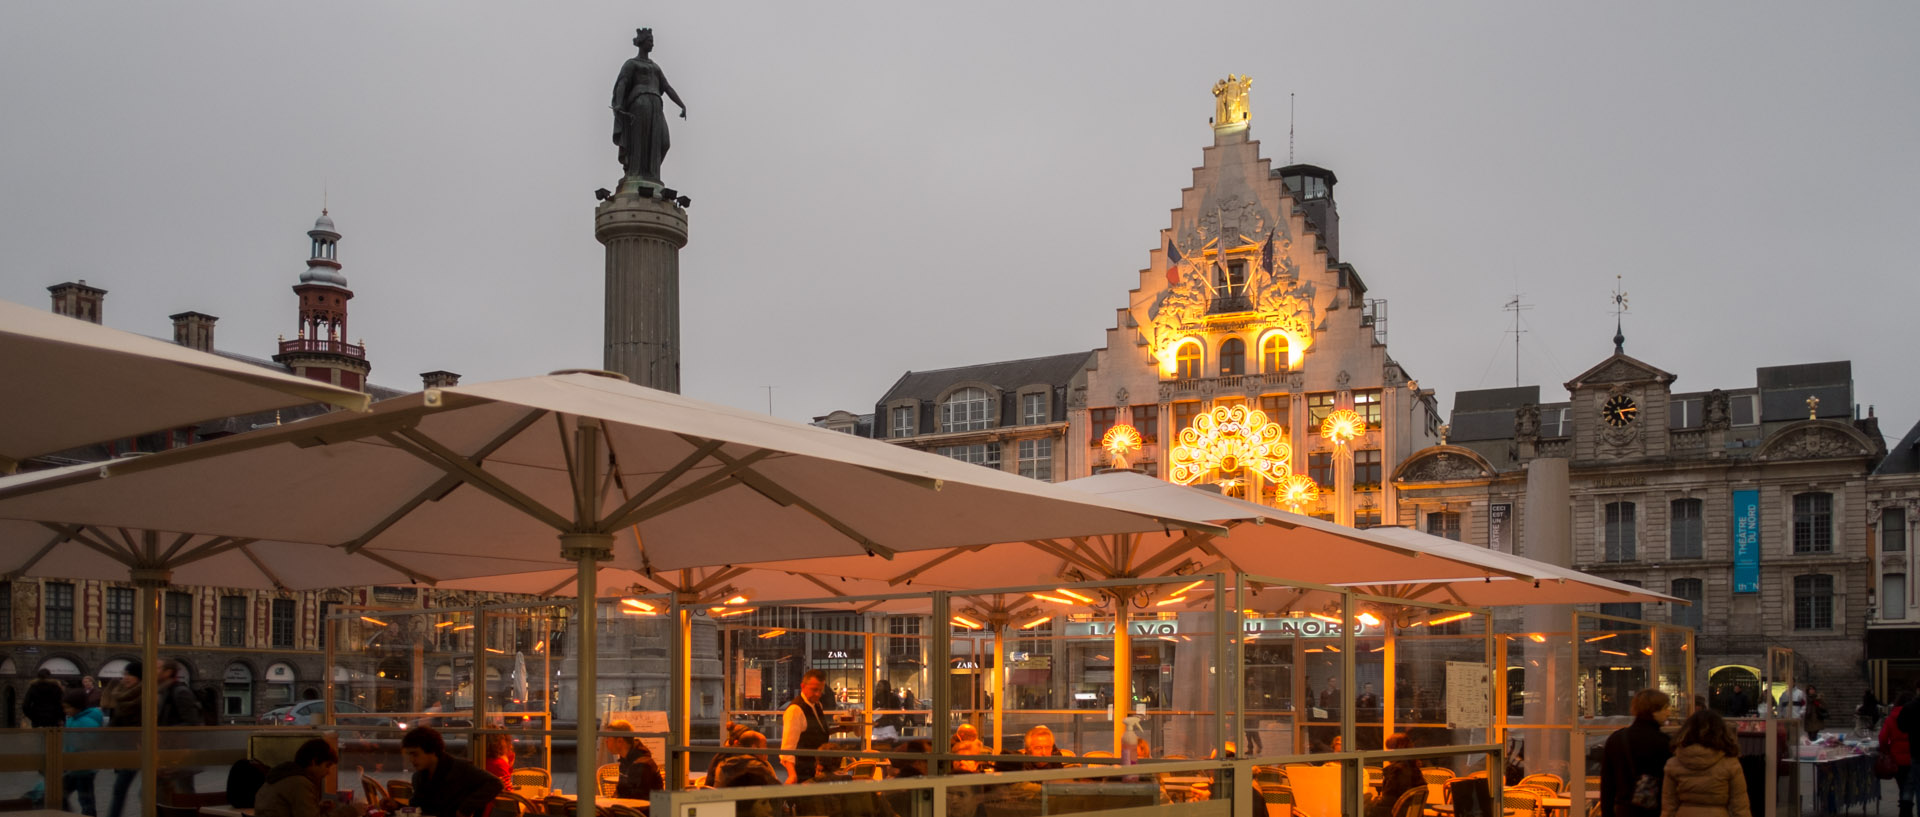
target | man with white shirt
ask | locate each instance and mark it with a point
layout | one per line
(805, 726)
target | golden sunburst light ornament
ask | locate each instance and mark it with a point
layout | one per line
(1120, 442)
(1298, 490)
(1342, 425)
(1227, 440)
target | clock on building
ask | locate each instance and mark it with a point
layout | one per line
(1619, 411)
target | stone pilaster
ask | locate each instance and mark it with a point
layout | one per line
(643, 230)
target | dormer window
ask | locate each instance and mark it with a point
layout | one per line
(968, 409)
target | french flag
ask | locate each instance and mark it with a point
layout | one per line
(1173, 264)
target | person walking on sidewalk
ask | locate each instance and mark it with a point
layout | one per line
(1703, 779)
(1635, 760)
(1897, 743)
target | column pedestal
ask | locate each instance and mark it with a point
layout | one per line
(643, 230)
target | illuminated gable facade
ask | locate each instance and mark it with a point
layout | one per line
(1245, 302)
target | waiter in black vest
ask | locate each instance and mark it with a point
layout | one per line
(805, 726)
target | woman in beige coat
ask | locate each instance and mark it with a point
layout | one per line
(1703, 779)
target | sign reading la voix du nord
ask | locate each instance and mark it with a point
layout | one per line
(1276, 627)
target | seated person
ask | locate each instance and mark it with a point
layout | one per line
(966, 741)
(293, 788)
(444, 785)
(1039, 744)
(639, 776)
(912, 767)
(734, 731)
(500, 758)
(1399, 777)
(744, 769)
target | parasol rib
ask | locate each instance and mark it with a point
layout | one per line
(1169, 553)
(431, 451)
(718, 578)
(38, 555)
(416, 576)
(633, 503)
(931, 563)
(445, 484)
(178, 543)
(1058, 550)
(691, 492)
(262, 567)
(823, 585)
(779, 494)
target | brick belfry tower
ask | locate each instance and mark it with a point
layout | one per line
(643, 225)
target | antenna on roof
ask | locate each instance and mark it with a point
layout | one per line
(1516, 307)
(1619, 308)
(1289, 127)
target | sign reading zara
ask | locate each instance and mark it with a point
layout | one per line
(1746, 541)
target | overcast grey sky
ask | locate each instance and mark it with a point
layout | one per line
(880, 187)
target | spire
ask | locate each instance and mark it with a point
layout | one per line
(1619, 308)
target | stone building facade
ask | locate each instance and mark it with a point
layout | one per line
(1010, 415)
(1893, 620)
(1246, 301)
(1664, 483)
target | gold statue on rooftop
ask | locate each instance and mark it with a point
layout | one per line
(1230, 100)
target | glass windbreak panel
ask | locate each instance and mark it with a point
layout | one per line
(1673, 662)
(1443, 686)
(1616, 661)
(774, 655)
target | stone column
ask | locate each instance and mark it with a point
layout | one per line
(643, 229)
(1549, 684)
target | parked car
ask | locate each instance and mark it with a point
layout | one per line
(307, 713)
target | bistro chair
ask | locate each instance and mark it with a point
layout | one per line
(1437, 774)
(1523, 803)
(532, 776)
(1548, 779)
(1412, 803)
(1269, 775)
(508, 804)
(609, 779)
(400, 791)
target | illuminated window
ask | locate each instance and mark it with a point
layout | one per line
(1319, 405)
(59, 611)
(1813, 602)
(1033, 408)
(1276, 407)
(1146, 420)
(1367, 403)
(1689, 615)
(282, 622)
(1183, 414)
(987, 454)
(1444, 524)
(1320, 468)
(1036, 459)
(1186, 361)
(1230, 288)
(1893, 530)
(968, 409)
(233, 621)
(1685, 531)
(119, 610)
(1098, 422)
(1366, 469)
(1620, 543)
(1233, 357)
(1273, 353)
(903, 425)
(1813, 523)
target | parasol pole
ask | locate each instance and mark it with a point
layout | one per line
(150, 582)
(1122, 668)
(589, 549)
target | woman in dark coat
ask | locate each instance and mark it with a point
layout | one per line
(1633, 767)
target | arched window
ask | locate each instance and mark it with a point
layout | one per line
(965, 410)
(1186, 361)
(1273, 354)
(1233, 357)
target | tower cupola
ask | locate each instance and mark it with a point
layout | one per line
(321, 349)
(1312, 187)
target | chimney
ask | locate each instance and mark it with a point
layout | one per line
(77, 300)
(194, 330)
(438, 379)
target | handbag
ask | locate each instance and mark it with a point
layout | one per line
(1883, 765)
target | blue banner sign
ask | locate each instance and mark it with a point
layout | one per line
(1746, 541)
